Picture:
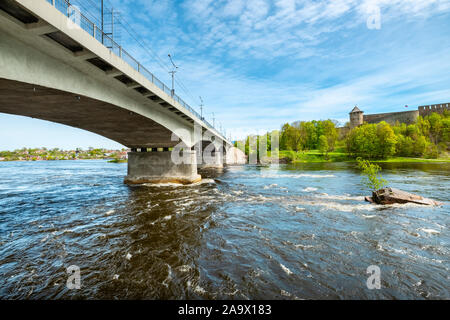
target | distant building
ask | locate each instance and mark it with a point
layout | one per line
(357, 116)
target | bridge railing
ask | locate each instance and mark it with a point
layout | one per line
(73, 13)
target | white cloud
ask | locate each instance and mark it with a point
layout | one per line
(233, 8)
(245, 104)
(261, 63)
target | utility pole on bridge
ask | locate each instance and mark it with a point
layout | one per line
(103, 23)
(103, 20)
(173, 75)
(214, 120)
(201, 108)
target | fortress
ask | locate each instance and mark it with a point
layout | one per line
(357, 116)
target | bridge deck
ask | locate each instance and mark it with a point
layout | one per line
(44, 19)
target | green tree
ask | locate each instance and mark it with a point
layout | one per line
(294, 138)
(330, 132)
(420, 146)
(372, 141)
(423, 125)
(386, 140)
(446, 129)
(363, 141)
(405, 146)
(323, 145)
(371, 175)
(435, 121)
(285, 130)
(431, 151)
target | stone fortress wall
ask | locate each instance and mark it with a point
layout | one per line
(439, 108)
(407, 117)
(357, 116)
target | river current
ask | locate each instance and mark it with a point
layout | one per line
(245, 232)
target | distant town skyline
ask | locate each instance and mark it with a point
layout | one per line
(258, 64)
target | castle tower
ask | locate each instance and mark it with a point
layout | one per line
(356, 117)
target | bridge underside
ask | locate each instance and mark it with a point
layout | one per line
(52, 71)
(123, 126)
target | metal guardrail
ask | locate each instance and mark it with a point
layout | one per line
(69, 10)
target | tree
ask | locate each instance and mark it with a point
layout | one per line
(435, 121)
(284, 136)
(423, 125)
(446, 130)
(323, 145)
(386, 140)
(405, 146)
(431, 151)
(309, 135)
(420, 146)
(363, 141)
(330, 132)
(371, 175)
(291, 138)
(372, 141)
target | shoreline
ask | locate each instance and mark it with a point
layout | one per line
(317, 158)
(391, 160)
(292, 157)
(107, 160)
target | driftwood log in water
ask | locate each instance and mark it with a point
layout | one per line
(391, 196)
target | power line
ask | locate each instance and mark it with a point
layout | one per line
(142, 43)
(86, 11)
(162, 64)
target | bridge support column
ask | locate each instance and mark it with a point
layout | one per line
(158, 167)
(234, 156)
(215, 160)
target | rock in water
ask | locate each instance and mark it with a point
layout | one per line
(391, 195)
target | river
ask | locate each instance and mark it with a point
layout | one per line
(288, 232)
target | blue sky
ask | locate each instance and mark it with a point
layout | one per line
(259, 63)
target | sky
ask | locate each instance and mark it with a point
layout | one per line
(258, 64)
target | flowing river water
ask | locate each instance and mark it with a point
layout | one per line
(245, 232)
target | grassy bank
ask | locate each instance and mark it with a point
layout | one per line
(316, 156)
(117, 161)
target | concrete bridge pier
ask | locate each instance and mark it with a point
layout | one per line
(152, 166)
(234, 156)
(210, 156)
(215, 160)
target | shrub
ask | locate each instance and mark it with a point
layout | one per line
(431, 152)
(371, 175)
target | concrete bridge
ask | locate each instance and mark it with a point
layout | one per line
(71, 73)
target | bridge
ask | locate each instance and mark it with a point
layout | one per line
(57, 68)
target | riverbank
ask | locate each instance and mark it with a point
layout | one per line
(63, 160)
(315, 156)
(118, 161)
(44, 154)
